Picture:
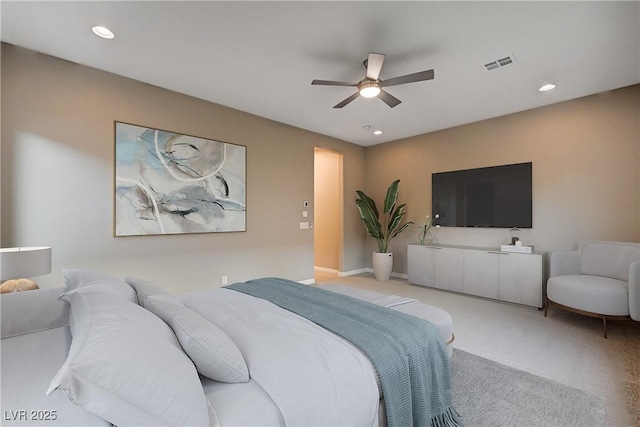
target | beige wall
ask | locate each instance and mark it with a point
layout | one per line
(586, 171)
(57, 178)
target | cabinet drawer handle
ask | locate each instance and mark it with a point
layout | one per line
(498, 253)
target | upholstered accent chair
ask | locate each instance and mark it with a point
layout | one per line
(600, 279)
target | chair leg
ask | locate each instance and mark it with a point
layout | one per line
(588, 313)
(546, 306)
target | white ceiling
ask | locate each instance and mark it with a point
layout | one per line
(260, 57)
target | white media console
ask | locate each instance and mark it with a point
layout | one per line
(486, 272)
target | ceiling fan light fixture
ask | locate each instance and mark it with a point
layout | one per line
(371, 85)
(369, 89)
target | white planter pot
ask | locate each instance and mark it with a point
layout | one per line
(382, 265)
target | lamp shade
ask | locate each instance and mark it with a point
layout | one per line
(16, 263)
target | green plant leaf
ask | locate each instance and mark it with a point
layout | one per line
(394, 221)
(370, 219)
(369, 201)
(392, 196)
(402, 228)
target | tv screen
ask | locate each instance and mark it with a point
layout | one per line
(497, 196)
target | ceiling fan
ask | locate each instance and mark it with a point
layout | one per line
(371, 86)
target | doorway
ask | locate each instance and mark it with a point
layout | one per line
(328, 213)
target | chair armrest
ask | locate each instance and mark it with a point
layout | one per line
(634, 291)
(562, 263)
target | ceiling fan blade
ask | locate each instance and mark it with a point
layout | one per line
(374, 65)
(332, 83)
(346, 101)
(388, 99)
(409, 78)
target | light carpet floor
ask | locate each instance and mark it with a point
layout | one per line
(563, 347)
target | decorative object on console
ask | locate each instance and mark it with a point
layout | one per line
(518, 248)
(383, 233)
(425, 237)
(515, 235)
(516, 244)
(169, 183)
(16, 264)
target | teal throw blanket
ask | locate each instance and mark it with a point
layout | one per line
(407, 352)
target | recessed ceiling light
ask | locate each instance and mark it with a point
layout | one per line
(103, 32)
(547, 87)
(377, 132)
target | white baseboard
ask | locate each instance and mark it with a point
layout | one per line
(353, 272)
(307, 281)
(326, 270)
(368, 270)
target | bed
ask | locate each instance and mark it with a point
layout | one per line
(102, 351)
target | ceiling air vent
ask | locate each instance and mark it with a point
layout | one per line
(498, 63)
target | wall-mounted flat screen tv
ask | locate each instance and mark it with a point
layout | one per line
(497, 196)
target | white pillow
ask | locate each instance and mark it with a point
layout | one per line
(126, 366)
(91, 281)
(215, 355)
(144, 289)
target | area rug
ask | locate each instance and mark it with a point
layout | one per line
(488, 393)
(627, 343)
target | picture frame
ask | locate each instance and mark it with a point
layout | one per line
(172, 183)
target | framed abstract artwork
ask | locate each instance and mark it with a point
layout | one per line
(170, 183)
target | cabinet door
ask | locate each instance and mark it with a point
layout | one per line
(481, 273)
(449, 269)
(420, 265)
(521, 279)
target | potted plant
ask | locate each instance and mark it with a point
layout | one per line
(383, 231)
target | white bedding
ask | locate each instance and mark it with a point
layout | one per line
(279, 347)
